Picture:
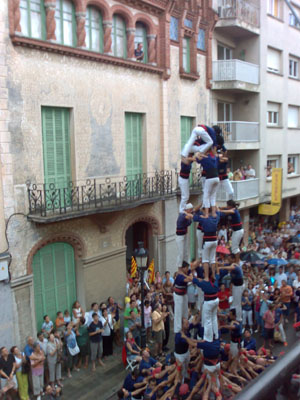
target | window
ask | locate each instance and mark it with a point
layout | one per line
(292, 18)
(33, 18)
(188, 23)
(275, 8)
(186, 58)
(293, 68)
(174, 28)
(293, 117)
(94, 29)
(273, 114)
(56, 150)
(272, 162)
(224, 53)
(273, 60)
(118, 35)
(201, 40)
(225, 115)
(292, 167)
(65, 23)
(141, 37)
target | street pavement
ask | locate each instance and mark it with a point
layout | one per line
(105, 381)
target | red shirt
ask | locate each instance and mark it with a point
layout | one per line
(223, 299)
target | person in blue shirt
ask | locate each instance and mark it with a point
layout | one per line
(132, 381)
(184, 220)
(183, 181)
(235, 328)
(237, 281)
(249, 343)
(148, 363)
(247, 301)
(124, 394)
(181, 352)
(28, 350)
(180, 296)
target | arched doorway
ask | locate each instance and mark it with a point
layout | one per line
(54, 280)
(138, 232)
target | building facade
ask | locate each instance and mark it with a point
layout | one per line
(90, 143)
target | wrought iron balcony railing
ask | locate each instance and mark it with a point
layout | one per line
(104, 194)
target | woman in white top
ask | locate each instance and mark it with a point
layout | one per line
(21, 372)
(107, 335)
(77, 312)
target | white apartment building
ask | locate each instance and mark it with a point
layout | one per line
(255, 94)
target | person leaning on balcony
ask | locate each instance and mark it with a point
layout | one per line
(237, 175)
(230, 174)
(250, 172)
(138, 52)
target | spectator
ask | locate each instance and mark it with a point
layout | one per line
(269, 319)
(28, 350)
(42, 341)
(60, 322)
(250, 172)
(134, 325)
(77, 312)
(138, 52)
(280, 276)
(114, 309)
(132, 349)
(37, 360)
(82, 337)
(286, 293)
(71, 348)
(247, 301)
(8, 379)
(147, 317)
(95, 332)
(158, 327)
(51, 394)
(47, 326)
(230, 174)
(94, 309)
(249, 343)
(67, 317)
(107, 334)
(54, 366)
(22, 370)
(279, 307)
(148, 363)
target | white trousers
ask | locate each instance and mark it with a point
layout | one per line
(184, 185)
(189, 146)
(237, 292)
(181, 310)
(236, 238)
(282, 332)
(184, 360)
(210, 192)
(182, 247)
(199, 235)
(227, 187)
(209, 252)
(247, 315)
(200, 299)
(210, 320)
(234, 349)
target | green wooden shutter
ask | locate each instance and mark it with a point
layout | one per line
(133, 137)
(56, 147)
(186, 127)
(54, 280)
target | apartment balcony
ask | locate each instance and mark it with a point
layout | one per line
(50, 202)
(240, 135)
(243, 190)
(235, 76)
(238, 18)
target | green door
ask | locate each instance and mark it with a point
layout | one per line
(56, 150)
(186, 127)
(54, 280)
(134, 168)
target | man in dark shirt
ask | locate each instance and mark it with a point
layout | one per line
(182, 353)
(138, 52)
(7, 371)
(95, 333)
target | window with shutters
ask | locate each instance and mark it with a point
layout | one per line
(65, 23)
(54, 280)
(186, 54)
(274, 60)
(294, 67)
(273, 114)
(186, 127)
(293, 117)
(141, 38)
(118, 36)
(275, 8)
(33, 21)
(56, 152)
(94, 29)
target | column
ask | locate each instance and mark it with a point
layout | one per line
(80, 28)
(50, 20)
(151, 49)
(130, 43)
(107, 27)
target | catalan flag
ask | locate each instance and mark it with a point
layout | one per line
(151, 272)
(133, 268)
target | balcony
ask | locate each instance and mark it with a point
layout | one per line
(243, 190)
(235, 75)
(238, 18)
(240, 135)
(50, 202)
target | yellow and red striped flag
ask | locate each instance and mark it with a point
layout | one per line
(151, 272)
(133, 268)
